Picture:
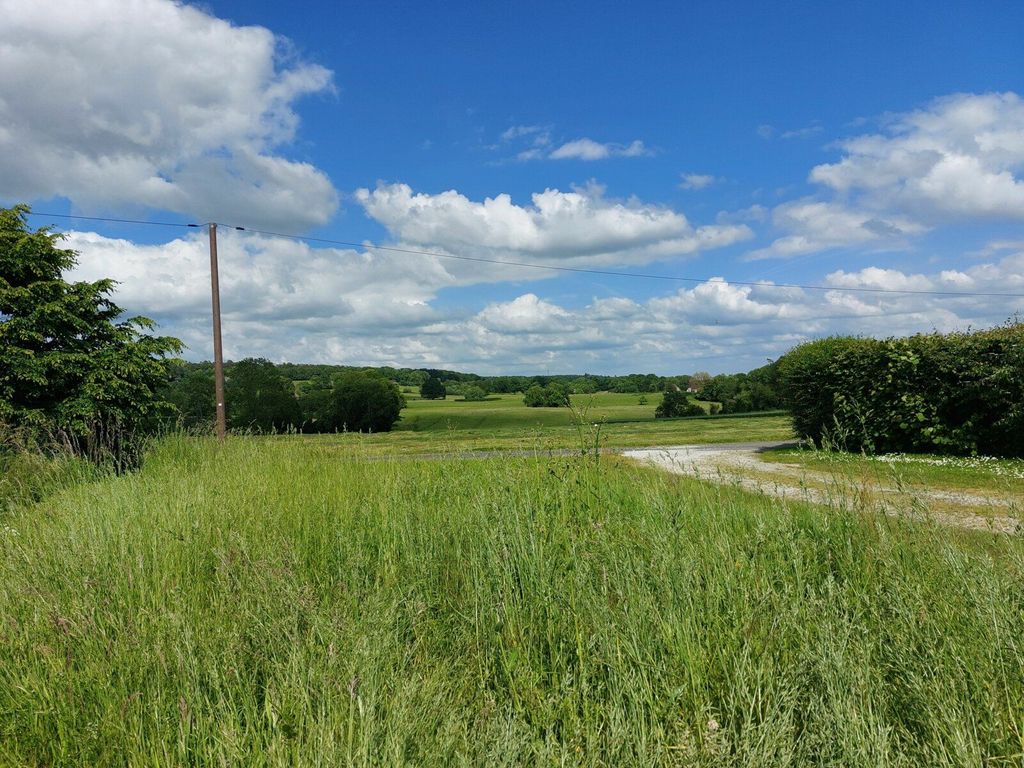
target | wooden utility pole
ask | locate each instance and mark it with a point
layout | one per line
(218, 352)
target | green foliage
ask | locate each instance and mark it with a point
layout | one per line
(674, 403)
(356, 400)
(363, 401)
(552, 395)
(508, 384)
(190, 390)
(636, 382)
(316, 402)
(473, 393)
(584, 385)
(758, 390)
(259, 398)
(71, 371)
(433, 389)
(957, 393)
(27, 474)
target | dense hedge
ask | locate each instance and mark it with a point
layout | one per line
(953, 393)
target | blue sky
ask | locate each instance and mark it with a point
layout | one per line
(867, 145)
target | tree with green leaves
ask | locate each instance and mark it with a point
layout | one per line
(71, 368)
(364, 401)
(316, 402)
(259, 398)
(552, 395)
(474, 393)
(584, 385)
(191, 392)
(433, 389)
(674, 403)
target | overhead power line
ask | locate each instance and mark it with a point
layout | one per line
(558, 268)
(114, 221)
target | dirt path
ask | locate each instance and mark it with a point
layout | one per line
(740, 465)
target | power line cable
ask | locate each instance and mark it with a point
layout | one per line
(556, 268)
(115, 221)
(614, 273)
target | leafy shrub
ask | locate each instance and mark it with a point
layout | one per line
(674, 404)
(474, 393)
(364, 401)
(551, 396)
(954, 393)
(433, 389)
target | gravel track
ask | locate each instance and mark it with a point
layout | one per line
(738, 464)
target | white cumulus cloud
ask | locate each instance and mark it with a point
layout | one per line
(959, 159)
(155, 104)
(287, 301)
(579, 227)
(959, 156)
(817, 225)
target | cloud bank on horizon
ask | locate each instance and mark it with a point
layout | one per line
(155, 106)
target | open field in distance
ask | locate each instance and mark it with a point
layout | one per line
(508, 410)
(503, 422)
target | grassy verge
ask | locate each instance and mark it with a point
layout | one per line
(946, 473)
(27, 476)
(264, 603)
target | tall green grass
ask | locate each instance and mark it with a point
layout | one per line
(28, 475)
(257, 604)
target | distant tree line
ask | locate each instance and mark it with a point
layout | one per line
(260, 398)
(758, 390)
(456, 382)
(260, 391)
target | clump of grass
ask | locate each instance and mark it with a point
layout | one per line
(28, 474)
(266, 603)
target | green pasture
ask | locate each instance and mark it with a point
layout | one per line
(583, 434)
(502, 411)
(273, 602)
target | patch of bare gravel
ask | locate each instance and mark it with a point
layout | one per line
(742, 467)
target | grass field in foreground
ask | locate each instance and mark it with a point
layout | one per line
(269, 603)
